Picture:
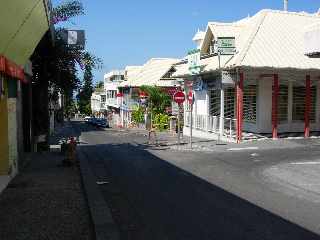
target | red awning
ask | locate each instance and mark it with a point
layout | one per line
(11, 69)
(2, 64)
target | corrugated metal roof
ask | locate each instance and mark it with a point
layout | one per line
(131, 73)
(152, 72)
(277, 41)
(270, 39)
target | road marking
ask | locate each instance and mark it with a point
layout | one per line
(242, 149)
(305, 163)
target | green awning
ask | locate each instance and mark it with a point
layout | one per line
(22, 25)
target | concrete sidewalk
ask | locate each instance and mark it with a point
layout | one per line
(45, 201)
(170, 141)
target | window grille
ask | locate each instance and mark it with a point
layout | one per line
(215, 102)
(229, 103)
(250, 103)
(283, 103)
(298, 103)
(312, 116)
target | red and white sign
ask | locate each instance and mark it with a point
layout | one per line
(119, 95)
(179, 97)
(190, 97)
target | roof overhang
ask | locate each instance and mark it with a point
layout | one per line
(312, 40)
(22, 26)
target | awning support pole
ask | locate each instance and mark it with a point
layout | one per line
(239, 107)
(275, 94)
(307, 108)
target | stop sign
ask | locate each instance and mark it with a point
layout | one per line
(179, 97)
(190, 97)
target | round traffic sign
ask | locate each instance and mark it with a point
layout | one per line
(179, 97)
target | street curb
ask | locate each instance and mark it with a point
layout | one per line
(104, 225)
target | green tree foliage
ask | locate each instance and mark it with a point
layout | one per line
(158, 98)
(161, 121)
(67, 10)
(138, 115)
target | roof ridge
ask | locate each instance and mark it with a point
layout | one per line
(303, 14)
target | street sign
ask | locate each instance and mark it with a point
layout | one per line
(179, 97)
(190, 97)
(226, 45)
(194, 61)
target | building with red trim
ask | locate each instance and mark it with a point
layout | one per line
(259, 82)
(23, 25)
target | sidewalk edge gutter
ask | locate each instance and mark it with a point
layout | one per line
(104, 225)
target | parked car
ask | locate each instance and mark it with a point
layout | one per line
(102, 122)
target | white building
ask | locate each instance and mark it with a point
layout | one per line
(98, 103)
(266, 86)
(112, 81)
(155, 72)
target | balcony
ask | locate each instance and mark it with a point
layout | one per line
(112, 102)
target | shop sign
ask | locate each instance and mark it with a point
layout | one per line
(227, 78)
(74, 39)
(194, 62)
(198, 84)
(226, 45)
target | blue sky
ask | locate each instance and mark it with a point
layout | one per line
(126, 32)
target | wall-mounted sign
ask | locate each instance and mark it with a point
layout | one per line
(312, 40)
(226, 45)
(228, 78)
(74, 38)
(194, 61)
(198, 84)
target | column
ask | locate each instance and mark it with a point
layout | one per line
(275, 94)
(239, 92)
(221, 120)
(307, 107)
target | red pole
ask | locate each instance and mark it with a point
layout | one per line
(275, 106)
(239, 107)
(307, 107)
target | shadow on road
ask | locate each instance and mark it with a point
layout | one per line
(170, 203)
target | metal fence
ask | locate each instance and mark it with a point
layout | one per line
(210, 124)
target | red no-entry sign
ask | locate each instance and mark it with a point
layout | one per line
(190, 97)
(179, 97)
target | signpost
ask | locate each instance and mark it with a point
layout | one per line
(179, 98)
(191, 101)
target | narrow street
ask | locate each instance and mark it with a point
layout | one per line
(158, 193)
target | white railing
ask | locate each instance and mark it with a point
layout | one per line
(211, 124)
(111, 102)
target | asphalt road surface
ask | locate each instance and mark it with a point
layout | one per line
(157, 193)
